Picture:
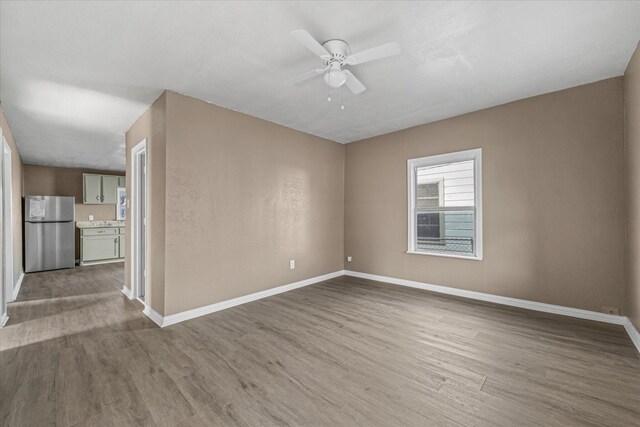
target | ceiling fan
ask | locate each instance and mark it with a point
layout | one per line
(335, 54)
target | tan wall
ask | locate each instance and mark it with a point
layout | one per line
(244, 196)
(151, 125)
(51, 181)
(553, 215)
(632, 155)
(16, 192)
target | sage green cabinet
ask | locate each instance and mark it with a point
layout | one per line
(92, 189)
(100, 245)
(98, 248)
(109, 189)
(101, 189)
(123, 245)
(122, 181)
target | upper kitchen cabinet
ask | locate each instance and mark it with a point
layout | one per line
(92, 189)
(122, 181)
(109, 187)
(100, 189)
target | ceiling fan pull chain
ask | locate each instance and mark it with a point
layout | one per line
(342, 97)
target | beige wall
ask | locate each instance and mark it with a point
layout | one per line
(553, 214)
(245, 196)
(51, 181)
(151, 125)
(232, 199)
(16, 193)
(632, 154)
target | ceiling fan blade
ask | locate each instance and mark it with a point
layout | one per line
(310, 43)
(305, 76)
(379, 52)
(353, 84)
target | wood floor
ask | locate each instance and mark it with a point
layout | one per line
(344, 352)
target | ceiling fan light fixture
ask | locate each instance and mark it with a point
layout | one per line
(335, 78)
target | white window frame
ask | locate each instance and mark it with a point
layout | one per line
(439, 159)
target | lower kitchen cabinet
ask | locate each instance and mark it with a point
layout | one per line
(122, 244)
(100, 245)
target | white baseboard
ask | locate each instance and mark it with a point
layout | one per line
(106, 261)
(155, 316)
(514, 302)
(16, 287)
(3, 320)
(172, 319)
(633, 333)
(127, 292)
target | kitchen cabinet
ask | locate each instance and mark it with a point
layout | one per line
(109, 187)
(97, 248)
(123, 245)
(92, 189)
(100, 189)
(100, 245)
(122, 181)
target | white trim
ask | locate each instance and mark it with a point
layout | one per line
(163, 321)
(7, 220)
(16, 289)
(3, 320)
(443, 255)
(102, 261)
(514, 302)
(633, 333)
(155, 316)
(126, 292)
(459, 156)
(137, 270)
(3, 293)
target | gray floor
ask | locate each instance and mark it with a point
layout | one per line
(344, 352)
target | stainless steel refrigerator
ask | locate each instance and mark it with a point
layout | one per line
(49, 233)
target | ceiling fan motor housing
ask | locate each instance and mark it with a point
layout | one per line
(339, 50)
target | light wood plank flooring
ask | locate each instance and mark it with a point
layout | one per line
(345, 352)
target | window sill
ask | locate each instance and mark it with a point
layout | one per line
(470, 257)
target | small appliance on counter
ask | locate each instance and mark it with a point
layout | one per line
(49, 233)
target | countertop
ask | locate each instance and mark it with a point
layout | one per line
(99, 224)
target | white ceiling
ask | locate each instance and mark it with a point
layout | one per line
(74, 76)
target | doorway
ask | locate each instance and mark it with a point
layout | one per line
(139, 220)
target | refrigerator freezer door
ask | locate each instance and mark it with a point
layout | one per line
(49, 246)
(48, 208)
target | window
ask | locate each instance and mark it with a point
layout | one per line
(445, 204)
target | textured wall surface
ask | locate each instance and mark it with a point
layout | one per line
(245, 196)
(16, 195)
(553, 208)
(632, 155)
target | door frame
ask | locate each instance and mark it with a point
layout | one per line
(137, 269)
(3, 301)
(7, 215)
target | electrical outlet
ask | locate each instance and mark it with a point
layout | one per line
(292, 264)
(611, 310)
(90, 217)
(348, 259)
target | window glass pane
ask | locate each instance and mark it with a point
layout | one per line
(428, 195)
(447, 231)
(454, 183)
